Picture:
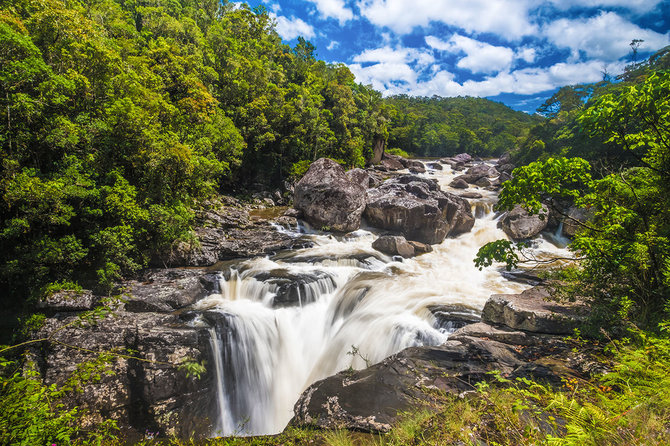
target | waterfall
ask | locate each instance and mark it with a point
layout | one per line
(281, 323)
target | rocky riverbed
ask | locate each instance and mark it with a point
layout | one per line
(253, 268)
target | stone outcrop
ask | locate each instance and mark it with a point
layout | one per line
(418, 209)
(147, 389)
(531, 311)
(373, 399)
(328, 197)
(67, 301)
(459, 183)
(228, 233)
(293, 289)
(518, 224)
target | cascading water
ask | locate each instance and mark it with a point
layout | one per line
(282, 323)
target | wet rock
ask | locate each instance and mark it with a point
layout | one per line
(374, 399)
(415, 166)
(394, 245)
(391, 163)
(483, 182)
(504, 177)
(502, 334)
(420, 248)
(293, 289)
(452, 317)
(435, 166)
(375, 179)
(522, 276)
(531, 311)
(167, 290)
(505, 158)
(150, 394)
(229, 233)
(471, 195)
(459, 183)
(293, 213)
(518, 224)
(328, 197)
(418, 209)
(67, 300)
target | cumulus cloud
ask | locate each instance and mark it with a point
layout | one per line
(606, 36)
(391, 55)
(398, 78)
(480, 57)
(332, 45)
(333, 9)
(507, 18)
(292, 28)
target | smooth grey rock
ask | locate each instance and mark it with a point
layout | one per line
(518, 224)
(328, 197)
(459, 183)
(394, 245)
(531, 311)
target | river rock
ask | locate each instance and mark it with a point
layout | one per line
(374, 399)
(328, 197)
(417, 208)
(480, 171)
(394, 245)
(167, 290)
(293, 289)
(391, 162)
(518, 224)
(505, 168)
(532, 311)
(459, 183)
(435, 166)
(228, 233)
(420, 248)
(415, 166)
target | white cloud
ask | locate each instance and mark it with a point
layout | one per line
(398, 78)
(333, 9)
(292, 28)
(606, 36)
(480, 57)
(332, 45)
(507, 18)
(391, 55)
(274, 7)
(527, 54)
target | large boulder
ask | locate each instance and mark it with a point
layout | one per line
(533, 311)
(391, 163)
(415, 166)
(459, 183)
(328, 197)
(481, 171)
(417, 208)
(374, 399)
(167, 290)
(518, 224)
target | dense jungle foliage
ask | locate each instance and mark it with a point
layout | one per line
(439, 127)
(117, 117)
(621, 180)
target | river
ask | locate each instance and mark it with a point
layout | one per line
(354, 307)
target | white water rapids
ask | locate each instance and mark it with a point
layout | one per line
(357, 307)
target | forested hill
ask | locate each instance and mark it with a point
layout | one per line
(446, 126)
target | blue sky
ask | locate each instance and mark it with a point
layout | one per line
(513, 51)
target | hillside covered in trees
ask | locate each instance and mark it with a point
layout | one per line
(439, 127)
